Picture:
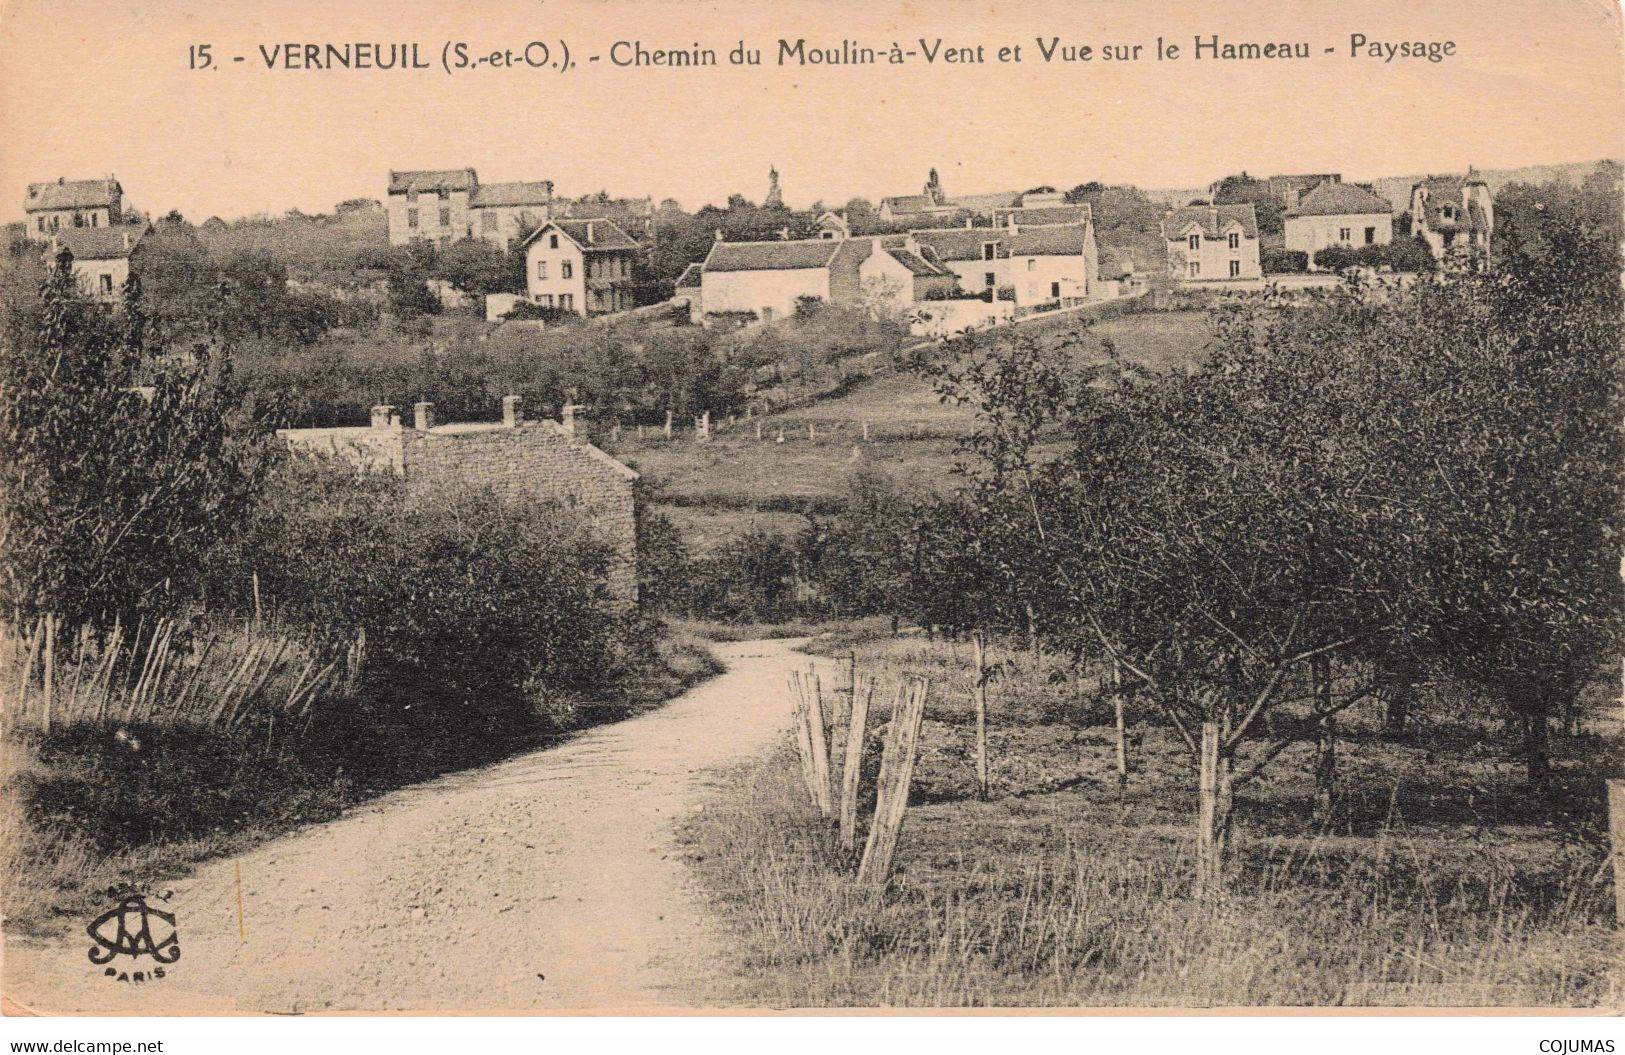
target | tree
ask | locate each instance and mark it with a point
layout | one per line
(1243, 189)
(113, 489)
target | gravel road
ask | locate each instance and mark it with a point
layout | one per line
(548, 882)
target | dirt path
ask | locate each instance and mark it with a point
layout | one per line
(547, 882)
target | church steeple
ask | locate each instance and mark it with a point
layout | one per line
(775, 199)
(933, 189)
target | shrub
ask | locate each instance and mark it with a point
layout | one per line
(1284, 261)
(475, 611)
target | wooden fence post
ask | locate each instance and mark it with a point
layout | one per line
(1116, 676)
(896, 772)
(812, 740)
(1616, 838)
(852, 767)
(978, 642)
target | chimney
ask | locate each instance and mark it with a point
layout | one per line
(126, 241)
(718, 233)
(383, 415)
(512, 414)
(423, 416)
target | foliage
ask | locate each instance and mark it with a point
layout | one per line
(476, 611)
(1283, 261)
(112, 494)
(1243, 189)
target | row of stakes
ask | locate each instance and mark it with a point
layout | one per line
(702, 429)
(814, 726)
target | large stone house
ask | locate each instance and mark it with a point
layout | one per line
(1455, 215)
(441, 206)
(1212, 242)
(1040, 264)
(101, 256)
(584, 266)
(1338, 214)
(67, 203)
(515, 458)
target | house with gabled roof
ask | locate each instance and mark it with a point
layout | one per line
(768, 279)
(102, 257)
(583, 266)
(65, 203)
(897, 272)
(1212, 242)
(1338, 214)
(1455, 215)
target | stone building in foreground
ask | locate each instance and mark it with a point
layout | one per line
(515, 458)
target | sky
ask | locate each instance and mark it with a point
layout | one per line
(90, 88)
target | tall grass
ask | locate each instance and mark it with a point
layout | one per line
(169, 672)
(1098, 915)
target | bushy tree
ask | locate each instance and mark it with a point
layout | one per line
(122, 468)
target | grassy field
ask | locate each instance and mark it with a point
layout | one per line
(712, 489)
(1441, 882)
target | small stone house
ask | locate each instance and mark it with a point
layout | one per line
(1208, 242)
(1454, 215)
(1338, 214)
(101, 257)
(442, 206)
(515, 458)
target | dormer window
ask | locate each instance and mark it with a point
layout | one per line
(988, 250)
(552, 241)
(1448, 212)
(1235, 240)
(1194, 241)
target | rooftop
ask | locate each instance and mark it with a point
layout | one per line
(1212, 220)
(429, 180)
(100, 243)
(72, 194)
(1338, 199)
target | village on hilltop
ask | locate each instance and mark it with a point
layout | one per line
(949, 263)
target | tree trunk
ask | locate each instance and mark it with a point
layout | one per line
(979, 646)
(1325, 742)
(1116, 676)
(1398, 709)
(1535, 743)
(1214, 800)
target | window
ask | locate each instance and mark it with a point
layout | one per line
(567, 301)
(988, 250)
(1370, 236)
(488, 220)
(1235, 241)
(1235, 268)
(1194, 268)
(1342, 234)
(445, 217)
(1448, 212)
(990, 278)
(1055, 290)
(411, 217)
(42, 223)
(1194, 242)
(567, 270)
(107, 283)
(541, 269)
(78, 219)
(1031, 264)
(552, 241)
(546, 300)
(95, 219)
